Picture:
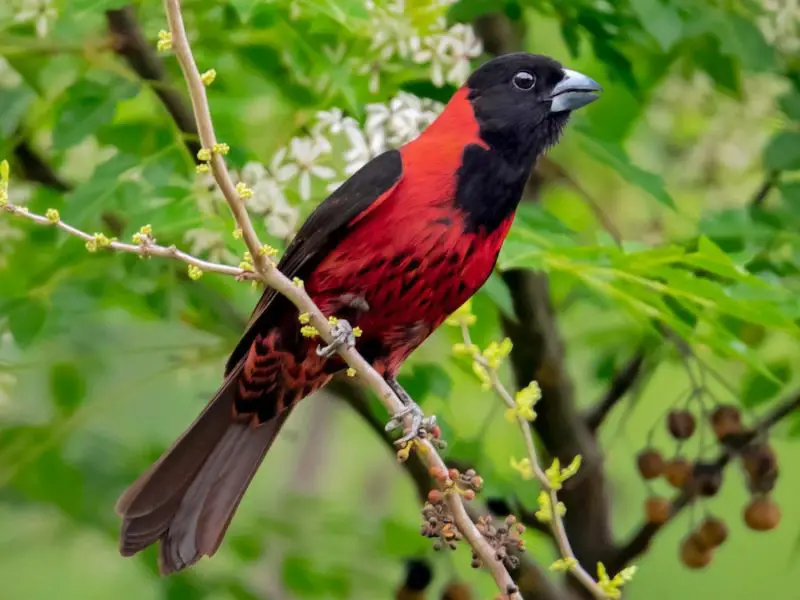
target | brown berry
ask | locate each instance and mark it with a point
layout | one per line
(678, 472)
(761, 467)
(762, 514)
(457, 590)
(650, 463)
(726, 420)
(707, 478)
(681, 424)
(693, 555)
(658, 510)
(712, 533)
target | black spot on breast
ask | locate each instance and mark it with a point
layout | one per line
(409, 284)
(444, 221)
(461, 287)
(436, 260)
(398, 260)
(413, 264)
(453, 258)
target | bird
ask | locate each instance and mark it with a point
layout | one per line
(396, 249)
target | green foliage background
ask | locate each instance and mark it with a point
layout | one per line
(105, 358)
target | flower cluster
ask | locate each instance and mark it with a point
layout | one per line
(41, 13)
(780, 24)
(310, 166)
(421, 37)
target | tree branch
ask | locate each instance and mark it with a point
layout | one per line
(145, 248)
(533, 582)
(129, 42)
(538, 354)
(297, 295)
(34, 168)
(623, 381)
(640, 541)
(550, 502)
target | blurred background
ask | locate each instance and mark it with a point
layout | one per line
(652, 268)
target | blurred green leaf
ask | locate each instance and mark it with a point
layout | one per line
(783, 152)
(26, 319)
(86, 107)
(616, 158)
(757, 388)
(67, 387)
(660, 19)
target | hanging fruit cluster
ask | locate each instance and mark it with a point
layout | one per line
(702, 479)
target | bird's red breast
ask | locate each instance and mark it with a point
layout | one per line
(409, 255)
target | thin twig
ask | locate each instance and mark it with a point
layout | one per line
(144, 249)
(556, 523)
(297, 295)
(622, 382)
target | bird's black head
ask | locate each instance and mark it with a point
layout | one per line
(522, 102)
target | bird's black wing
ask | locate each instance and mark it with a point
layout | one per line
(325, 227)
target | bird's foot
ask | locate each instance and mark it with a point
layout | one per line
(342, 336)
(420, 427)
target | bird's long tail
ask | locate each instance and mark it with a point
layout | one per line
(188, 497)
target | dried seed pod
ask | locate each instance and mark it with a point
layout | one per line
(681, 424)
(761, 467)
(707, 478)
(693, 554)
(678, 472)
(650, 463)
(712, 532)
(658, 510)
(762, 514)
(726, 420)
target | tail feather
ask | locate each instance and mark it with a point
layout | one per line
(188, 497)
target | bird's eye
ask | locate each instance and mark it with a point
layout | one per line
(524, 81)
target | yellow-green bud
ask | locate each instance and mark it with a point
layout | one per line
(195, 272)
(208, 77)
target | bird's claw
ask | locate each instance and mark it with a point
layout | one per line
(420, 426)
(342, 336)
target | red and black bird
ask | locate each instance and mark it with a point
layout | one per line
(396, 249)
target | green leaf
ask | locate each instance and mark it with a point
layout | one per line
(741, 37)
(758, 388)
(783, 152)
(616, 158)
(495, 289)
(26, 320)
(84, 201)
(86, 107)
(660, 20)
(67, 387)
(790, 104)
(13, 104)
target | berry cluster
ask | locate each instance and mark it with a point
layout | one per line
(703, 479)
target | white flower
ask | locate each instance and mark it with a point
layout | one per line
(333, 121)
(282, 218)
(454, 51)
(359, 152)
(40, 12)
(210, 243)
(306, 153)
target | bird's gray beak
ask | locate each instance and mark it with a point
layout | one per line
(574, 91)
